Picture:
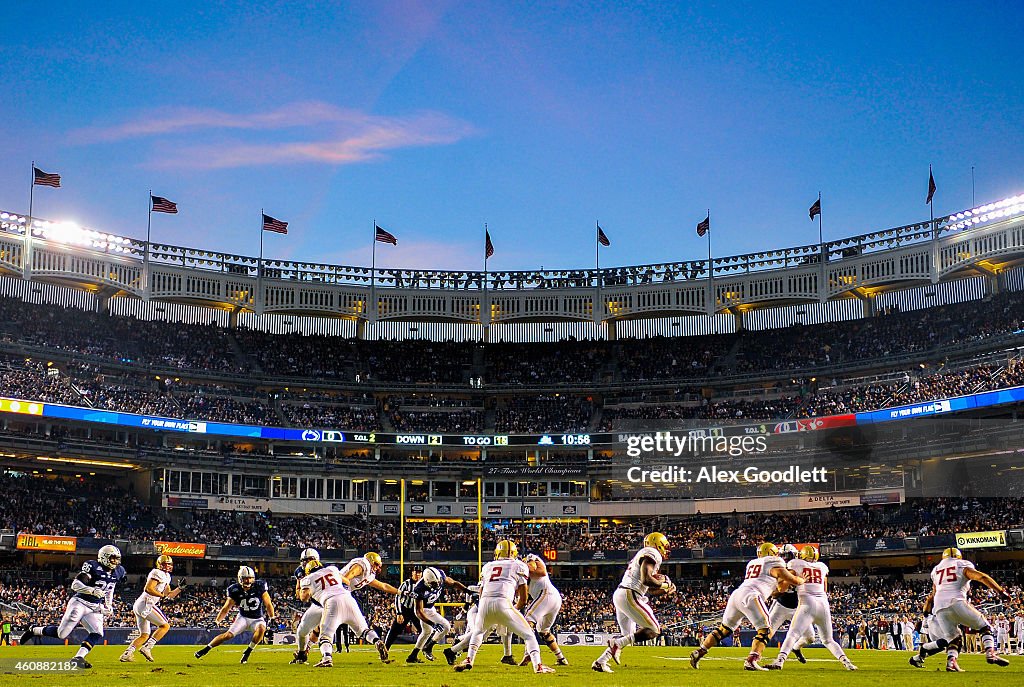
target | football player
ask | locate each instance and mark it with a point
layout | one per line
(813, 610)
(333, 589)
(312, 616)
(471, 609)
(544, 608)
(502, 597)
(147, 610)
(748, 601)
(783, 607)
(405, 609)
(92, 601)
(632, 610)
(427, 592)
(255, 611)
(948, 604)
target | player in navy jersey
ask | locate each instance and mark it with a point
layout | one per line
(255, 610)
(405, 609)
(426, 594)
(306, 632)
(92, 600)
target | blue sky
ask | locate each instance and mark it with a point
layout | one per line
(536, 118)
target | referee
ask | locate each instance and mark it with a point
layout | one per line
(405, 609)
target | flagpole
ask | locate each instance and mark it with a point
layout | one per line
(931, 206)
(373, 273)
(820, 240)
(27, 265)
(149, 234)
(259, 265)
(486, 303)
(597, 273)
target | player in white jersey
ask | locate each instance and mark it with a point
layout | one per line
(762, 577)
(948, 604)
(1003, 634)
(632, 609)
(1018, 631)
(812, 610)
(546, 602)
(147, 610)
(332, 589)
(504, 583)
(784, 604)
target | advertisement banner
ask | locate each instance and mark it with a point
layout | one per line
(840, 500)
(187, 502)
(10, 405)
(42, 542)
(980, 540)
(181, 549)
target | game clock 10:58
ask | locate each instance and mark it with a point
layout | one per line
(575, 439)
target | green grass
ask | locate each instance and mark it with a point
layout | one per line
(642, 667)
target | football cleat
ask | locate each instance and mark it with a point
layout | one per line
(541, 668)
(695, 657)
(299, 657)
(80, 663)
(146, 653)
(428, 655)
(917, 661)
(245, 655)
(601, 667)
(525, 661)
(953, 667)
(412, 659)
(613, 651)
(127, 657)
(508, 660)
(382, 651)
(465, 665)
(997, 660)
(799, 655)
(26, 637)
(563, 661)
(774, 666)
(325, 662)
(449, 656)
(848, 664)
(752, 665)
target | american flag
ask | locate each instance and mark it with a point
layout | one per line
(815, 209)
(931, 187)
(164, 205)
(384, 236)
(488, 246)
(274, 225)
(601, 237)
(704, 226)
(41, 178)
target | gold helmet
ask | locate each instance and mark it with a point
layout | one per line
(165, 563)
(373, 558)
(767, 549)
(506, 548)
(952, 552)
(658, 542)
(808, 553)
(311, 565)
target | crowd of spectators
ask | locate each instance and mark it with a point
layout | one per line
(557, 412)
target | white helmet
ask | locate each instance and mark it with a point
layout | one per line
(309, 555)
(531, 557)
(432, 577)
(246, 573)
(109, 556)
(789, 552)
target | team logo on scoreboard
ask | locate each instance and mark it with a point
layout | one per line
(311, 435)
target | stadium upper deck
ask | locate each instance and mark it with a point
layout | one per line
(985, 240)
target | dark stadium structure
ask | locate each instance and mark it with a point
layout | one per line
(244, 410)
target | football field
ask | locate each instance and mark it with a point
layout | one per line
(642, 667)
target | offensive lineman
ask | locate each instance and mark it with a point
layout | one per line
(405, 609)
(784, 605)
(813, 610)
(634, 615)
(252, 597)
(333, 589)
(504, 582)
(426, 593)
(92, 601)
(147, 610)
(542, 611)
(948, 604)
(748, 601)
(312, 616)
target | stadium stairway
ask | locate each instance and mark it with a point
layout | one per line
(248, 360)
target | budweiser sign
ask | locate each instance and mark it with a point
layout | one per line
(181, 549)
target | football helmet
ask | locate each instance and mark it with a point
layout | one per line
(506, 548)
(109, 556)
(658, 542)
(373, 558)
(952, 552)
(246, 576)
(311, 565)
(788, 552)
(532, 558)
(309, 555)
(165, 563)
(767, 549)
(432, 578)
(809, 553)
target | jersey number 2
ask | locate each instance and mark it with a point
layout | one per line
(495, 573)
